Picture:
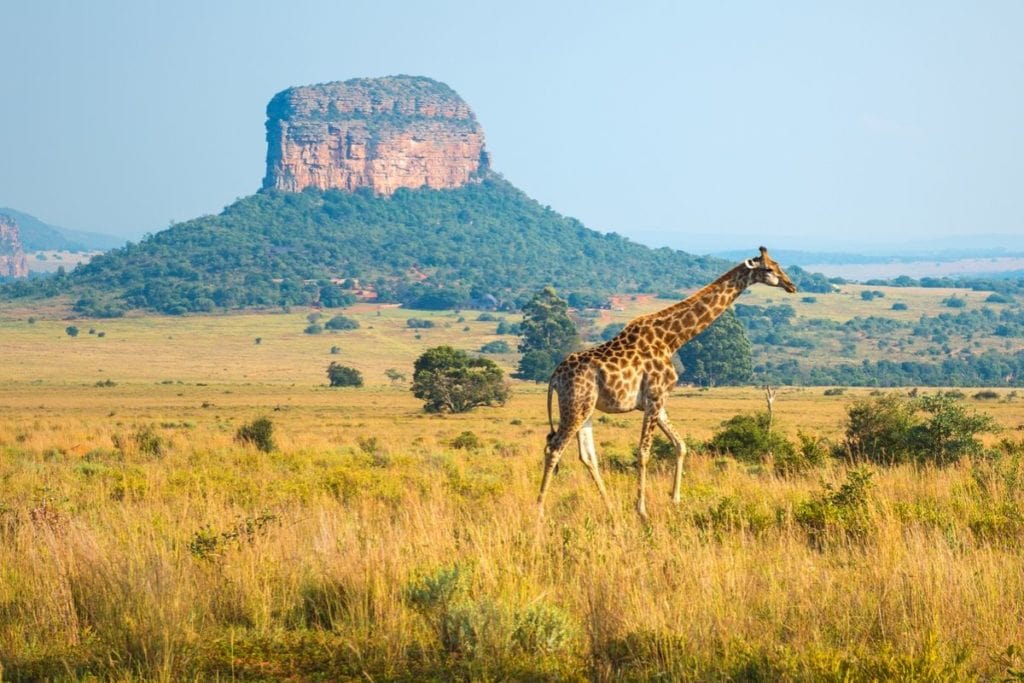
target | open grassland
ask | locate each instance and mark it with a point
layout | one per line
(140, 540)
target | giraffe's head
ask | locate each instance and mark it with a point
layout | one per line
(767, 271)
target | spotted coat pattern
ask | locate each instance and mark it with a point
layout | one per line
(634, 371)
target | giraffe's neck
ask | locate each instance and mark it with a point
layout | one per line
(688, 318)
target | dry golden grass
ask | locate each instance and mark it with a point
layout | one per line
(140, 540)
(212, 558)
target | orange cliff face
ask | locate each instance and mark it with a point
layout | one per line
(378, 133)
(12, 257)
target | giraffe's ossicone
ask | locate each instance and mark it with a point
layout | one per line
(634, 371)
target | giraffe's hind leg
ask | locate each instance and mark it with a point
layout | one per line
(588, 454)
(680, 447)
(552, 454)
(575, 405)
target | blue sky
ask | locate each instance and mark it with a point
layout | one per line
(702, 126)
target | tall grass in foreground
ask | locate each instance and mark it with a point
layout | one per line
(175, 553)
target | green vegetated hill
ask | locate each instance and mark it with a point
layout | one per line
(425, 248)
(37, 235)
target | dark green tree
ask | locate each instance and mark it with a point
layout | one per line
(450, 380)
(548, 335)
(720, 355)
(344, 376)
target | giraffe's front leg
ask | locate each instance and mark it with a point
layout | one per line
(644, 455)
(680, 447)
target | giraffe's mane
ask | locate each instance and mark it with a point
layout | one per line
(686, 303)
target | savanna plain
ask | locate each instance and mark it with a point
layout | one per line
(140, 539)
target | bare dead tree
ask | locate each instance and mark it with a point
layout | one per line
(769, 396)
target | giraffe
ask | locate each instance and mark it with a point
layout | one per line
(634, 371)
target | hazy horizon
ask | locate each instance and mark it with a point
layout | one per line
(705, 128)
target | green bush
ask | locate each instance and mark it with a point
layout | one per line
(71, 331)
(812, 453)
(496, 346)
(341, 322)
(891, 429)
(954, 302)
(467, 441)
(747, 437)
(419, 323)
(313, 328)
(258, 433)
(838, 514)
(343, 376)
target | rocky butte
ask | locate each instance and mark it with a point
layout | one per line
(12, 257)
(377, 133)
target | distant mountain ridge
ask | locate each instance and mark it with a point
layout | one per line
(37, 235)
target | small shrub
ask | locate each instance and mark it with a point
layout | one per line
(487, 318)
(835, 391)
(101, 334)
(148, 442)
(954, 302)
(986, 395)
(812, 453)
(341, 322)
(259, 433)
(496, 346)
(997, 298)
(543, 629)
(419, 323)
(343, 375)
(899, 306)
(144, 440)
(335, 350)
(258, 341)
(394, 375)
(467, 441)
(106, 383)
(313, 328)
(731, 515)
(838, 514)
(809, 299)
(71, 331)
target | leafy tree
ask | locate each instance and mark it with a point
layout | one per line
(720, 355)
(950, 432)
(450, 380)
(343, 376)
(71, 331)
(332, 296)
(548, 335)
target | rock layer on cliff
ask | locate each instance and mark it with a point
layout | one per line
(378, 133)
(12, 257)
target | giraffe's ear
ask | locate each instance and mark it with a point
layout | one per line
(749, 263)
